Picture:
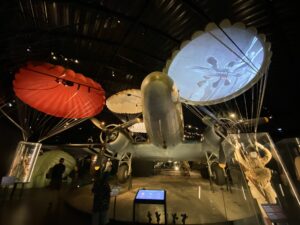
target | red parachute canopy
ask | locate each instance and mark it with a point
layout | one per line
(58, 91)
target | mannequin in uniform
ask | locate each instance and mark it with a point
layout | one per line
(257, 174)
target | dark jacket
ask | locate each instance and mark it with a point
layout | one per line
(56, 175)
(58, 170)
(101, 190)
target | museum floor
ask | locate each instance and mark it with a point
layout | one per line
(190, 195)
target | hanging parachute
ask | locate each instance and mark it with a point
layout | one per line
(52, 99)
(58, 91)
(127, 105)
(125, 102)
(216, 66)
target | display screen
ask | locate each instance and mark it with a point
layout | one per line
(150, 195)
(215, 67)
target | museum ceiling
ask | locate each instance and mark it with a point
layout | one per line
(117, 43)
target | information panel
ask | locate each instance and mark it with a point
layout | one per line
(274, 212)
(152, 195)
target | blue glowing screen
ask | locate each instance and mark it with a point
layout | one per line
(211, 68)
(150, 195)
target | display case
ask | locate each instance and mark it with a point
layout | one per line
(24, 161)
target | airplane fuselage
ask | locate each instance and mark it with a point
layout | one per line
(162, 110)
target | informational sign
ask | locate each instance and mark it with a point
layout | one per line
(24, 161)
(150, 195)
(274, 212)
(7, 180)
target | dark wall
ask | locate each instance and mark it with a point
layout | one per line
(9, 138)
(142, 168)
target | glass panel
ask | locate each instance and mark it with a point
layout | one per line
(274, 189)
(288, 184)
(24, 161)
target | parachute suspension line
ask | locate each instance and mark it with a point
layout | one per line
(66, 123)
(240, 50)
(214, 111)
(252, 103)
(195, 111)
(22, 119)
(43, 124)
(63, 125)
(261, 96)
(262, 87)
(245, 104)
(239, 126)
(257, 112)
(40, 124)
(50, 134)
(202, 13)
(201, 115)
(24, 132)
(233, 51)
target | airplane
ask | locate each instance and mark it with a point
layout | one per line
(163, 119)
(213, 76)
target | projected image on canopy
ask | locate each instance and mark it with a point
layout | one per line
(214, 67)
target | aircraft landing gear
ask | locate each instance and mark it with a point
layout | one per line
(124, 168)
(216, 173)
(123, 173)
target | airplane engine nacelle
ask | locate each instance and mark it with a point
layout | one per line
(116, 141)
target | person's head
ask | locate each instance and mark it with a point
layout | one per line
(61, 160)
(252, 152)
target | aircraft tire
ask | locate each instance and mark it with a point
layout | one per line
(123, 173)
(218, 174)
(204, 171)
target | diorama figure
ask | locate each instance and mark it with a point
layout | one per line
(157, 217)
(257, 174)
(184, 217)
(174, 218)
(149, 215)
(21, 166)
(186, 168)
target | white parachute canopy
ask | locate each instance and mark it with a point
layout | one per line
(222, 72)
(219, 64)
(125, 102)
(138, 128)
